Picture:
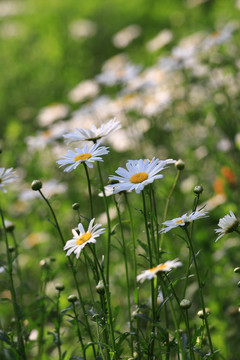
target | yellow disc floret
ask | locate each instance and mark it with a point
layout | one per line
(180, 221)
(138, 178)
(83, 238)
(82, 157)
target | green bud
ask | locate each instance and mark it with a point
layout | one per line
(59, 287)
(200, 313)
(180, 164)
(36, 185)
(100, 287)
(9, 225)
(198, 189)
(185, 304)
(11, 249)
(75, 206)
(72, 298)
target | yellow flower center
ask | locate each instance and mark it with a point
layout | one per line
(139, 177)
(180, 221)
(83, 238)
(159, 267)
(83, 157)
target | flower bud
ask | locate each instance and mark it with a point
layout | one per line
(180, 164)
(100, 287)
(36, 185)
(111, 181)
(59, 287)
(238, 284)
(11, 249)
(198, 189)
(237, 270)
(9, 225)
(185, 304)
(200, 313)
(75, 206)
(72, 298)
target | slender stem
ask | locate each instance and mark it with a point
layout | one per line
(156, 250)
(195, 204)
(133, 240)
(151, 265)
(18, 266)
(156, 220)
(174, 320)
(58, 328)
(200, 291)
(167, 203)
(109, 308)
(189, 336)
(73, 271)
(183, 313)
(78, 331)
(108, 223)
(126, 272)
(89, 190)
(20, 341)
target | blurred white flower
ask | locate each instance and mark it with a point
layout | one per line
(152, 273)
(117, 70)
(183, 220)
(88, 155)
(6, 176)
(82, 29)
(227, 224)
(139, 173)
(94, 133)
(124, 37)
(80, 240)
(10, 8)
(51, 113)
(163, 38)
(85, 90)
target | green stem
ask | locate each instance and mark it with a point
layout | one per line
(58, 328)
(73, 271)
(151, 265)
(108, 223)
(166, 206)
(78, 331)
(109, 308)
(20, 341)
(17, 265)
(200, 291)
(89, 190)
(174, 320)
(126, 272)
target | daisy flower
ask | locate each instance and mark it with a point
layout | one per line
(94, 133)
(6, 176)
(139, 173)
(227, 224)
(87, 155)
(152, 273)
(183, 220)
(78, 242)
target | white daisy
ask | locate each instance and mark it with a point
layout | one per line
(78, 242)
(152, 273)
(227, 224)
(6, 176)
(183, 220)
(93, 134)
(139, 173)
(87, 155)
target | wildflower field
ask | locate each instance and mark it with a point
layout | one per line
(119, 191)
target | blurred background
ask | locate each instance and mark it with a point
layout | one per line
(170, 72)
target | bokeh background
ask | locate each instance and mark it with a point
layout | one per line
(170, 72)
